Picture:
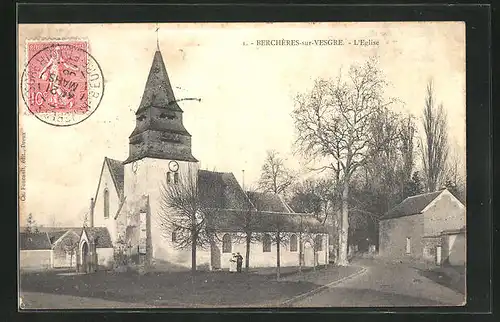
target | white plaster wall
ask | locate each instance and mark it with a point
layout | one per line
(114, 203)
(105, 257)
(258, 258)
(35, 259)
(147, 181)
(446, 213)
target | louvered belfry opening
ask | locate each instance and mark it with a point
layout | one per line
(159, 131)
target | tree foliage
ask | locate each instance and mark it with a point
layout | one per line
(31, 226)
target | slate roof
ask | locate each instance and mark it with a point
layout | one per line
(158, 90)
(221, 190)
(226, 204)
(412, 205)
(101, 235)
(34, 241)
(268, 202)
(117, 173)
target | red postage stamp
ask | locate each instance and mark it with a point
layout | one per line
(62, 82)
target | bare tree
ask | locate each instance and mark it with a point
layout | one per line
(182, 213)
(308, 235)
(70, 247)
(434, 149)
(455, 177)
(247, 223)
(279, 237)
(275, 176)
(333, 124)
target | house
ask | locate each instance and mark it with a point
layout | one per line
(420, 227)
(35, 251)
(64, 244)
(127, 201)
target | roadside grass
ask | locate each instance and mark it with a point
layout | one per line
(170, 289)
(452, 277)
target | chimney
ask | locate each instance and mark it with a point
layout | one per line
(243, 179)
(91, 213)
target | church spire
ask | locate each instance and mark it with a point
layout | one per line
(158, 91)
(157, 38)
(159, 131)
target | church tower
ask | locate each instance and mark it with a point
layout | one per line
(159, 131)
(159, 153)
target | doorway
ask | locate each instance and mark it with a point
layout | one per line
(85, 258)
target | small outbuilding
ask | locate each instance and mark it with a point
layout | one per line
(35, 251)
(419, 228)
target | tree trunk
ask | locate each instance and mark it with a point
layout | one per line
(193, 255)
(315, 255)
(300, 253)
(278, 242)
(344, 224)
(193, 251)
(247, 255)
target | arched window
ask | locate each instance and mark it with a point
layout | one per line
(174, 236)
(227, 246)
(169, 177)
(266, 243)
(318, 243)
(106, 203)
(176, 177)
(293, 243)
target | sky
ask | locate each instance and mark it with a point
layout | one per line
(246, 94)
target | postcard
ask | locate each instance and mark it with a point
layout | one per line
(212, 165)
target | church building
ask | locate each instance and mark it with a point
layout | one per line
(127, 199)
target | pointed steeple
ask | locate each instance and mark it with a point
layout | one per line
(159, 131)
(158, 91)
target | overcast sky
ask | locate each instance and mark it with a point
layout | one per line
(246, 94)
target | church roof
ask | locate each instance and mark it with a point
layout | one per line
(117, 173)
(412, 205)
(268, 202)
(221, 190)
(158, 90)
(34, 241)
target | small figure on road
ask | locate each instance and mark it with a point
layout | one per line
(239, 262)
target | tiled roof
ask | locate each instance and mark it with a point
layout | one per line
(100, 235)
(221, 190)
(34, 241)
(268, 202)
(412, 205)
(158, 91)
(262, 221)
(117, 173)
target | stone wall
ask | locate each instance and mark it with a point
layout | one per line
(393, 234)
